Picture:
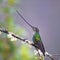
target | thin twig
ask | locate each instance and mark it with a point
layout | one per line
(16, 36)
(25, 40)
(19, 38)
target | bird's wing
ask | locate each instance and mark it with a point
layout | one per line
(38, 42)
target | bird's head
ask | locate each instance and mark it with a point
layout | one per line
(35, 29)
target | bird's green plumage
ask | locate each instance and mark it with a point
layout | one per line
(38, 42)
(36, 36)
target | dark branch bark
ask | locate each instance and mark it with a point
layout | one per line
(25, 40)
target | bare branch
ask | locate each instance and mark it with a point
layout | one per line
(26, 41)
(16, 36)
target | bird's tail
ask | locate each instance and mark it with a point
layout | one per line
(41, 56)
(50, 56)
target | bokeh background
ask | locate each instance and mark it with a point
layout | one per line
(44, 14)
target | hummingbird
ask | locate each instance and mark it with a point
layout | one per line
(36, 37)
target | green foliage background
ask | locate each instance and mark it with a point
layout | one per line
(8, 49)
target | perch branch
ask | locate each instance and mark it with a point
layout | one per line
(24, 40)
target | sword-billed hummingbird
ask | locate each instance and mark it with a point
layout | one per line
(36, 37)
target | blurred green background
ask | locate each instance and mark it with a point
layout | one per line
(9, 50)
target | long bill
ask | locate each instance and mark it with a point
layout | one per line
(24, 19)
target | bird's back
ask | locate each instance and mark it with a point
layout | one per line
(38, 42)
